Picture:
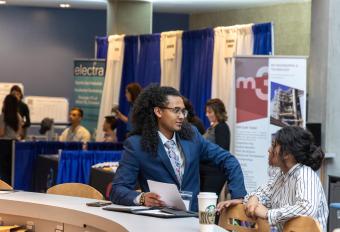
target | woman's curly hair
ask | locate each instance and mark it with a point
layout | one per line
(145, 121)
(300, 143)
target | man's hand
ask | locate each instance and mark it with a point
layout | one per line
(226, 204)
(251, 206)
(153, 199)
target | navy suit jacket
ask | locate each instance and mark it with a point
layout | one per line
(137, 164)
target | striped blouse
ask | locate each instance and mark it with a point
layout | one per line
(298, 192)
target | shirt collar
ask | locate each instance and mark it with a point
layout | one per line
(165, 139)
(293, 169)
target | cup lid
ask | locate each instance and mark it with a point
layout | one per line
(207, 194)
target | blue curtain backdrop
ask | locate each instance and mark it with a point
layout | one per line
(128, 76)
(262, 39)
(102, 46)
(196, 73)
(26, 154)
(25, 160)
(149, 66)
(104, 146)
(75, 166)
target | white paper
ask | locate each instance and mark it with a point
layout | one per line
(187, 204)
(230, 46)
(168, 193)
(117, 50)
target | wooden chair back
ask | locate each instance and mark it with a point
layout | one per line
(4, 185)
(302, 224)
(237, 212)
(76, 190)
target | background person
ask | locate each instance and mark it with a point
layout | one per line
(10, 119)
(10, 129)
(23, 109)
(109, 128)
(295, 189)
(212, 179)
(164, 147)
(192, 118)
(76, 132)
(131, 93)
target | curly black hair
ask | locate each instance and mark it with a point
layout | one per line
(190, 109)
(145, 121)
(300, 143)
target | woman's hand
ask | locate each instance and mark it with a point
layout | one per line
(121, 116)
(117, 112)
(251, 206)
(261, 211)
(226, 204)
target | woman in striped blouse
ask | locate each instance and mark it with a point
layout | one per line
(295, 189)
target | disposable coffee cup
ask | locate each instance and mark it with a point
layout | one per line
(207, 210)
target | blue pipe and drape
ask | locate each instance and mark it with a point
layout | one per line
(196, 71)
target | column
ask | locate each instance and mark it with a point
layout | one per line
(129, 17)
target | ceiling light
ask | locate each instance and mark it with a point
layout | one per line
(64, 5)
(2, 2)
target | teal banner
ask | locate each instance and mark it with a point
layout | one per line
(88, 86)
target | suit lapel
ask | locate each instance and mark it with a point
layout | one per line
(166, 161)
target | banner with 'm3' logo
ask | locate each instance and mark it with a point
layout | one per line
(270, 94)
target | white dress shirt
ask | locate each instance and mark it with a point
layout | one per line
(288, 195)
(177, 150)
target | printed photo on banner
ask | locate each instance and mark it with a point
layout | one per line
(285, 109)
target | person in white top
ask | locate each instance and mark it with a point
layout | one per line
(294, 189)
(76, 132)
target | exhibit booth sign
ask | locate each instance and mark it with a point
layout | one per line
(88, 87)
(270, 94)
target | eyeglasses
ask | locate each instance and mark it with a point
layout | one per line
(177, 110)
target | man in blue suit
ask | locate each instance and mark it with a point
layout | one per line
(164, 147)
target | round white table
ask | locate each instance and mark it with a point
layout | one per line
(47, 212)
